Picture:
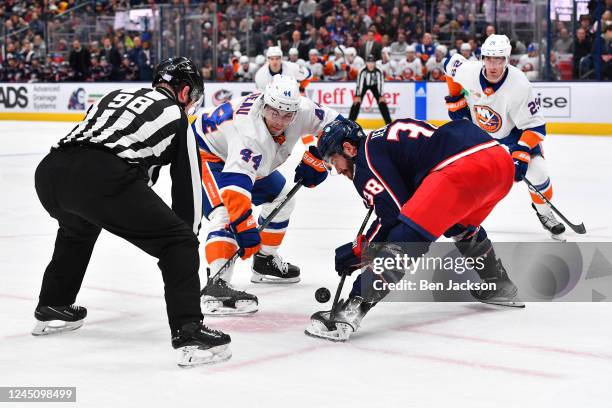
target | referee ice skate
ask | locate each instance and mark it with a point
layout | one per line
(99, 176)
(370, 78)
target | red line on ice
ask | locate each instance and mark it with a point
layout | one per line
(463, 363)
(514, 344)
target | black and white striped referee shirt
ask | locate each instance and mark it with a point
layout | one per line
(372, 80)
(147, 128)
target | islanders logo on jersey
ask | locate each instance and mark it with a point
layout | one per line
(489, 120)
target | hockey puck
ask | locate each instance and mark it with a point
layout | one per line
(322, 295)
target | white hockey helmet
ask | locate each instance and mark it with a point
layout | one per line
(350, 51)
(313, 51)
(410, 48)
(496, 45)
(293, 51)
(274, 52)
(466, 47)
(442, 50)
(260, 60)
(243, 59)
(282, 93)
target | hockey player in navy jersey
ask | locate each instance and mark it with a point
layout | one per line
(423, 182)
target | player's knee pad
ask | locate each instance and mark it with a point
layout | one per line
(220, 242)
(537, 174)
(272, 236)
(537, 171)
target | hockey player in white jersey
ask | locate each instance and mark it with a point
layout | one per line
(241, 145)
(247, 69)
(314, 64)
(498, 97)
(294, 56)
(435, 65)
(411, 68)
(276, 66)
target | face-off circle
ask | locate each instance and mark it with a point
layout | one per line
(322, 295)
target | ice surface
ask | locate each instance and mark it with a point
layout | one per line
(421, 355)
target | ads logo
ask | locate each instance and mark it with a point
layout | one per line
(489, 120)
(221, 96)
(555, 101)
(11, 96)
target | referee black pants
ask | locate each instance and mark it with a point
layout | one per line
(382, 106)
(86, 190)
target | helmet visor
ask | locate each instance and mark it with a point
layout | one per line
(277, 120)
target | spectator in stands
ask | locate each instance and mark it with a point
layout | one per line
(606, 54)
(529, 63)
(426, 48)
(371, 46)
(145, 63)
(399, 48)
(306, 8)
(134, 53)
(26, 53)
(128, 71)
(299, 45)
(582, 48)
(39, 47)
(563, 45)
(79, 61)
(112, 57)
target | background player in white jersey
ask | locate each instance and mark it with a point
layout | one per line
(314, 64)
(435, 65)
(354, 60)
(529, 63)
(276, 66)
(247, 69)
(467, 52)
(294, 56)
(241, 144)
(411, 68)
(498, 97)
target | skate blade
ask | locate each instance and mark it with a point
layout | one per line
(259, 278)
(216, 308)
(559, 237)
(318, 330)
(505, 303)
(193, 356)
(55, 327)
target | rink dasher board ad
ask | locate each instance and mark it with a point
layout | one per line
(569, 107)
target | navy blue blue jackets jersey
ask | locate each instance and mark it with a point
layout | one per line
(393, 161)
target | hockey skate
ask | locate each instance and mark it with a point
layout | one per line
(551, 224)
(345, 322)
(196, 345)
(272, 269)
(220, 299)
(505, 292)
(58, 319)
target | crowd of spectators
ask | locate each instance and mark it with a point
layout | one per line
(331, 36)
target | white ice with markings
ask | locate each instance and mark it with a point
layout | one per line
(409, 355)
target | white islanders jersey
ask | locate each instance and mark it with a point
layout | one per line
(264, 76)
(236, 134)
(502, 109)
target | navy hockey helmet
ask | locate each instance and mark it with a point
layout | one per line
(178, 72)
(335, 133)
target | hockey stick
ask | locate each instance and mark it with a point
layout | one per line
(342, 279)
(579, 229)
(261, 227)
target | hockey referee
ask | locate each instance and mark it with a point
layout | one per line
(99, 176)
(371, 79)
